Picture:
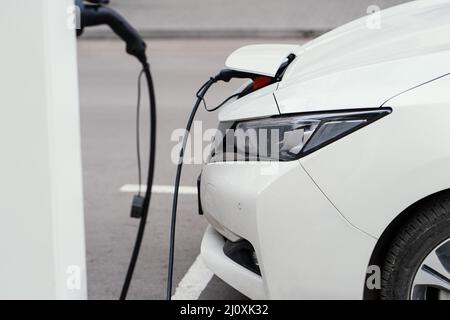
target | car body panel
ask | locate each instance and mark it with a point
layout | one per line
(299, 239)
(380, 170)
(415, 29)
(368, 87)
(355, 66)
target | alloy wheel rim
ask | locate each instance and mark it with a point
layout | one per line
(432, 279)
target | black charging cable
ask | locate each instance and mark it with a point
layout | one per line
(200, 97)
(138, 133)
(94, 13)
(146, 201)
(220, 105)
(225, 75)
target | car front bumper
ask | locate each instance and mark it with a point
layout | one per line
(304, 246)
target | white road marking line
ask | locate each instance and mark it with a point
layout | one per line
(133, 188)
(194, 281)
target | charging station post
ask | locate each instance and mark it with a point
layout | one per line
(42, 247)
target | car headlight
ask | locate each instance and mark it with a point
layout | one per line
(287, 138)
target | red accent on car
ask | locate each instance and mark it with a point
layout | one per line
(261, 81)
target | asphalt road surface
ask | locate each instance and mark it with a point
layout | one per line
(108, 88)
(251, 17)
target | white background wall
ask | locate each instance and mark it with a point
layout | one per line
(41, 209)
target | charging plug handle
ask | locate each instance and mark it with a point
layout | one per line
(95, 15)
(227, 74)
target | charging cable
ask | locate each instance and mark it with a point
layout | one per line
(225, 75)
(200, 97)
(145, 203)
(94, 13)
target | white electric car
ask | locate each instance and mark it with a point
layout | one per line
(353, 199)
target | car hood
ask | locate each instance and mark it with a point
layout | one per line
(360, 65)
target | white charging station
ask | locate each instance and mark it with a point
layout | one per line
(42, 246)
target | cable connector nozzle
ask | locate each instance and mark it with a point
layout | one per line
(227, 74)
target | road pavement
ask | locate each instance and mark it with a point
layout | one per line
(250, 18)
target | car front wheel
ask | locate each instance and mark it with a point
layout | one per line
(417, 264)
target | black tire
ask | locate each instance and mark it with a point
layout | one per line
(425, 230)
